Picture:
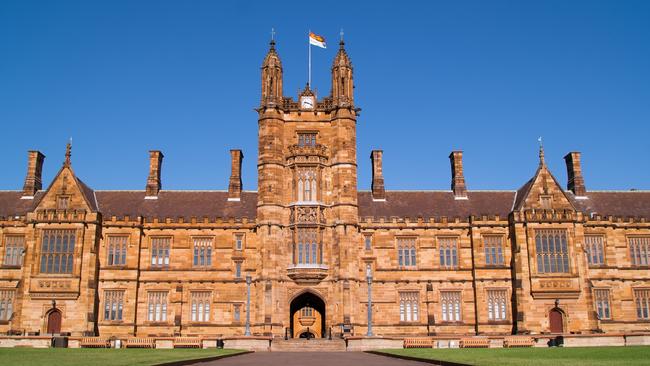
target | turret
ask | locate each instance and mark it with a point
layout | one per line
(342, 81)
(271, 78)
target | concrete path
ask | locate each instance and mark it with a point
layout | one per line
(311, 359)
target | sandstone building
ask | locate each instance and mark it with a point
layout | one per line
(542, 259)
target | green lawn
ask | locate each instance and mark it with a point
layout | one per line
(108, 357)
(591, 356)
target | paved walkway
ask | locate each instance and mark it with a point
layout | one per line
(311, 359)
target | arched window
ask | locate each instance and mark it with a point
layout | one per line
(307, 186)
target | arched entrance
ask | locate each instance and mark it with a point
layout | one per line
(556, 321)
(54, 321)
(307, 316)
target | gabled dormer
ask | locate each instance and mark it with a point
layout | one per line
(542, 191)
(67, 196)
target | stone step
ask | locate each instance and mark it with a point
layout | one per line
(303, 345)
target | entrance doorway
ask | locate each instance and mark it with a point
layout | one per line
(54, 322)
(556, 321)
(307, 316)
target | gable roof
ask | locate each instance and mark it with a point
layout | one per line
(524, 192)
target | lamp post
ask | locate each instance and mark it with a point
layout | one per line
(248, 306)
(369, 279)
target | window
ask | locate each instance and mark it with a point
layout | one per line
(237, 269)
(406, 252)
(552, 251)
(57, 251)
(448, 252)
(642, 299)
(493, 250)
(496, 300)
(113, 304)
(307, 311)
(239, 241)
(595, 248)
(117, 250)
(236, 312)
(307, 185)
(160, 252)
(200, 306)
(408, 306)
(601, 297)
(450, 303)
(62, 202)
(6, 304)
(157, 306)
(14, 246)
(306, 139)
(307, 249)
(640, 250)
(368, 242)
(202, 252)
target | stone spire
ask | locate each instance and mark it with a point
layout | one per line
(271, 77)
(541, 152)
(68, 153)
(342, 79)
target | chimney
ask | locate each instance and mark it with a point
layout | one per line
(378, 192)
(457, 177)
(235, 185)
(33, 182)
(575, 181)
(153, 181)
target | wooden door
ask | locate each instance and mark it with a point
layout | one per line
(54, 322)
(556, 321)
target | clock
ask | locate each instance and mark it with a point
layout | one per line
(307, 102)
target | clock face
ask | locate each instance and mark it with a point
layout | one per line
(307, 102)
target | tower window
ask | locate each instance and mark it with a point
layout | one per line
(307, 185)
(306, 139)
(307, 249)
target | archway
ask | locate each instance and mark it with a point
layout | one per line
(556, 321)
(54, 321)
(307, 316)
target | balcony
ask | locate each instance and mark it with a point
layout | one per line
(307, 214)
(307, 154)
(307, 273)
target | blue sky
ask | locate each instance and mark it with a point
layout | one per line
(487, 77)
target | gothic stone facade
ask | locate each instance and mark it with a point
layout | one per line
(541, 259)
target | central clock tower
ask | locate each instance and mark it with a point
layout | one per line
(307, 212)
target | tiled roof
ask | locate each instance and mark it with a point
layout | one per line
(614, 203)
(412, 204)
(428, 204)
(11, 203)
(175, 204)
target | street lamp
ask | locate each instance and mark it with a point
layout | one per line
(248, 306)
(369, 279)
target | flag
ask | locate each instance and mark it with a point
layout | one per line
(316, 40)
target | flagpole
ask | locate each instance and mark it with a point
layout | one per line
(309, 46)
